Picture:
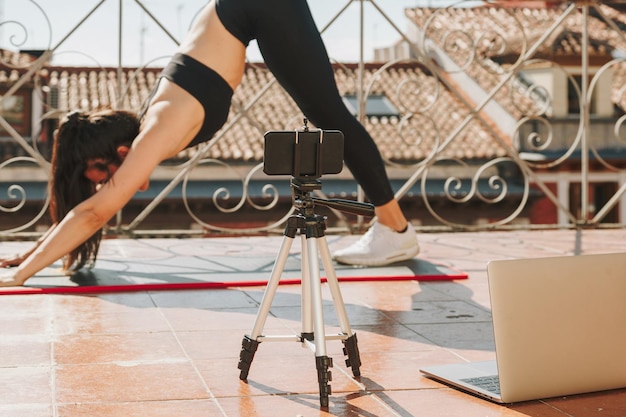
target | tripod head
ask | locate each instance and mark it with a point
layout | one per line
(302, 189)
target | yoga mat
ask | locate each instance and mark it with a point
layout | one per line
(201, 263)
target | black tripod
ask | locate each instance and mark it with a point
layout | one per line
(311, 227)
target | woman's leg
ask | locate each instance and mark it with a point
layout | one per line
(293, 50)
(295, 53)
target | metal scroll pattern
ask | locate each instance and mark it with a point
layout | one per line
(22, 157)
(536, 140)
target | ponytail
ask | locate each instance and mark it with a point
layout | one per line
(83, 136)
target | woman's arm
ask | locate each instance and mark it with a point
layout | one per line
(56, 243)
(88, 217)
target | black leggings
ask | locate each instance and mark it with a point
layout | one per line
(294, 52)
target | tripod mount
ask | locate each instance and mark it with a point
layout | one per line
(311, 228)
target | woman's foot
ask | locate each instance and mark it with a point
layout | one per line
(379, 246)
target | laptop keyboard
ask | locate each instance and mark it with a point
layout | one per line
(490, 383)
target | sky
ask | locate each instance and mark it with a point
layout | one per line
(44, 24)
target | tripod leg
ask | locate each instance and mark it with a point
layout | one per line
(324, 377)
(316, 297)
(306, 308)
(246, 355)
(250, 343)
(351, 349)
(333, 285)
(322, 361)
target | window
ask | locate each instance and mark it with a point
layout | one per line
(375, 106)
(601, 103)
(598, 194)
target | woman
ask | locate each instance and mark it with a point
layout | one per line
(190, 103)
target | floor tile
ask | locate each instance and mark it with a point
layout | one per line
(202, 299)
(390, 338)
(25, 350)
(128, 381)
(27, 325)
(25, 385)
(400, 370)
(211, 344)
(605, 404)
(468, 335)
(29, 410)
(242, 319)
(112, 348)
(188, 408)
(447, 402)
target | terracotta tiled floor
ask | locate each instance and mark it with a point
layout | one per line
(175, 353)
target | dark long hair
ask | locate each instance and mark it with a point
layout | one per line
(83, 136)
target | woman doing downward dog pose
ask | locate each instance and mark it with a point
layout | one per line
(101, 159)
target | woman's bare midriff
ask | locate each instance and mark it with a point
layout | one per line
(210, 43)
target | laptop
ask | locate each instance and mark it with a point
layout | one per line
(559, 328)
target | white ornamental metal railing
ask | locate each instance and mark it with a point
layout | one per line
(501, 126)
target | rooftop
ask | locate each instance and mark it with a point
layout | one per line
(175, 353)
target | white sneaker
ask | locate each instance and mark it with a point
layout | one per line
(380, 245)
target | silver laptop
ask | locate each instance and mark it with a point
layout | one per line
(559, 328)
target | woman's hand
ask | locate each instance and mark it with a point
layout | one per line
(7, 279)
(11, 261)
